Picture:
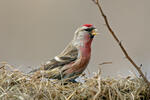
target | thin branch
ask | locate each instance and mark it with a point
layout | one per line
(97, 2)
(105, 63)
(2, 67)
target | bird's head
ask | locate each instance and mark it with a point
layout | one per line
(84, 35)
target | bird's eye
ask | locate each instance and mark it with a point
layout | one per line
(89, 29)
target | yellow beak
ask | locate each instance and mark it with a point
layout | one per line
(94, 32)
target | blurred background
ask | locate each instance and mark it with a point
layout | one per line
(34, 31)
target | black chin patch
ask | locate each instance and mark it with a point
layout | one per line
(91, 36)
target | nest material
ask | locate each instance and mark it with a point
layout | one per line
(15, 85)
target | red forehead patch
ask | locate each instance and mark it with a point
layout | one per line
(88, 25)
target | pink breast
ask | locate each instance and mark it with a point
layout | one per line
(81, 63)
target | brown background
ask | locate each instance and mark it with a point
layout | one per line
(33, 31)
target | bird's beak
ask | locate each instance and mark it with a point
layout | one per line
(94, 32)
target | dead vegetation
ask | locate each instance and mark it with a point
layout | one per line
(15, 85)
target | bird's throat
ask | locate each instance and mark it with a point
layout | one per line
(86, 49)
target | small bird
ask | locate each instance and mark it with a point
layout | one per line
(70, 63)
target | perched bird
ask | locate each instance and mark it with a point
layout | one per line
(70, 63)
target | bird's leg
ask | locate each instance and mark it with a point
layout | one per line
(69, 81)
(73, 81)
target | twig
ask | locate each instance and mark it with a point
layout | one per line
(2, 67)
(97, 2)
(105, 63)
(99, 85)
(3, 64)
(71, 95)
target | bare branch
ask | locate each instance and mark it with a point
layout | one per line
(105, 63)
(97, 2)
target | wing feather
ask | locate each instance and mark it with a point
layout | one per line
(68, 55)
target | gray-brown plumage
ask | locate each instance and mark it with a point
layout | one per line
(70, 63)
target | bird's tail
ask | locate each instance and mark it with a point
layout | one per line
(34, 70)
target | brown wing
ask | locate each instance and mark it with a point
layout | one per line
(67, 56)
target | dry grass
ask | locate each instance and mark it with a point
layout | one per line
(15, 85)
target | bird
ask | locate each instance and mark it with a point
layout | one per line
(73, 60)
